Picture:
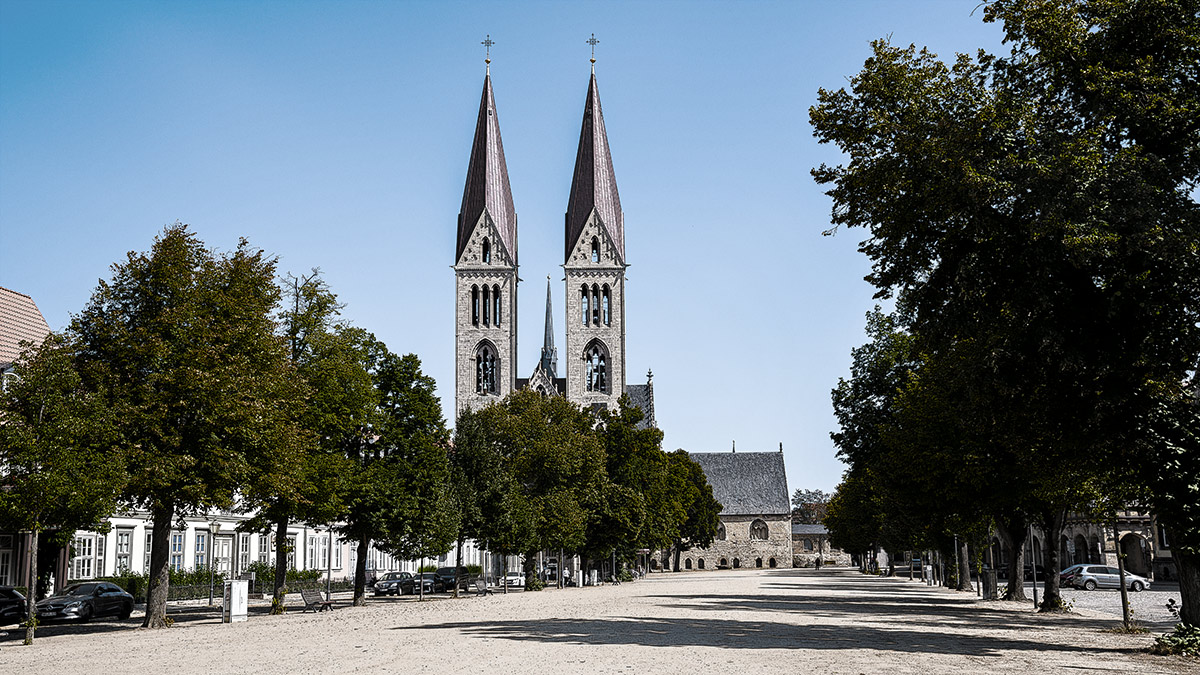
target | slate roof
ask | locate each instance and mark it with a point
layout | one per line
(747, 483)
(594, 184)
(805, 528)
(487, 180)
(20, 319)
(642, 395)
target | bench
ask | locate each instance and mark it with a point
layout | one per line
(481, 587)
(313, 600)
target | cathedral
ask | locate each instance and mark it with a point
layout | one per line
(486, 273)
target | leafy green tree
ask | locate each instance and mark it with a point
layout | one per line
(59, 459)
(809, 506)
(183, 346)
(702, 509)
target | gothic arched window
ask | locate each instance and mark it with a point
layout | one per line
(475, 305)
(758, 530)
(496, 305)
(720, 532)
(606, 311)
(595, 250)
(596, 362)
(595, 304)
(583, 298)
(487, 370)
(487, 251)
(487, 305)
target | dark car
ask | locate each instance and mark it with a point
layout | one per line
(446, 576)
(429, 581)
(83, 601)
(392, 583)
(12, 606)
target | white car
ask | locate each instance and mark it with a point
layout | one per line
(514, 579)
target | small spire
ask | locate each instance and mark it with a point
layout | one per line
(781, 446)
(593, 42)
(649, 376)
(487, 59)
(549, 353)
(735, 446)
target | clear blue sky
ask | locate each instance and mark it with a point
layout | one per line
(336, 135)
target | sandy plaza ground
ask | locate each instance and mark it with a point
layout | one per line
(741, 621)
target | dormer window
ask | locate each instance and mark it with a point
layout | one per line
(595, 250)
(487, 251)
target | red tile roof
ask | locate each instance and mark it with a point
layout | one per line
(20, 319)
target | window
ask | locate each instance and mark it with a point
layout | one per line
(771, 562)
(1163, 541)
(595, 250)
(291, 546)
(758, 562)
(487, 306)
(737, 562)
(583, 299)
(487, 250)
(486, 365)
(700, 563)
(496, 305)
(474, 305)
(596, 362)
(201, 549)
(176, 559)
(124, 550)
(149, 540)
(606, 312)
(83, 564)
(808, 545)
(313, 554)
(264, 548)
(759, 531)
(243, 551)
(687, 564)
(595, 304)
(720, 531)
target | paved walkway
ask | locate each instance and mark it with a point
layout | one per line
(742, 621)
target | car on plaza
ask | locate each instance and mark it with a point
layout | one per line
(429, 583)
(12, 606)
(1091, 577)
(446, 575)
(81, 602)
(391, 583)
(514, 579)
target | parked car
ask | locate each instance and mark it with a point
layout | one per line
(390, 583)
(84, 601)
(12, 606)
(514, 579)
(1065, 576)
(428, 580)
(1091, 577)
(446, 576)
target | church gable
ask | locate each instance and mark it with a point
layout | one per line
(475, 254)
(746, 483)
(607, 254)
(542, 383)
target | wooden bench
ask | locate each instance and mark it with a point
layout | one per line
(481, 587)
(313, 600)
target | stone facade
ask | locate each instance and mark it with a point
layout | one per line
(739, 549)
(601, 275)
(478, 328)
(810, 542)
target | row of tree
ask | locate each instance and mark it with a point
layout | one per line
(194, 382)
(1033, 217)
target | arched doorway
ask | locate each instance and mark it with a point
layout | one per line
(771, 562)
(687, 564)
(1137, 554)
(1081, 550)
(737, 562)
(1094, 551)
(724, 563)
(700, 563)
(758, 562)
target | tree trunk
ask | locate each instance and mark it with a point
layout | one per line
(1052, 526)
(529, 569)
(964, 567)
(678, 552)
(1014, 532)
(1188, 565)
(280, 566)
(1125, 618)
(31, 589)
(360, 573)
(458, 544)
(504, 571)
(159, 582)
(910, 565)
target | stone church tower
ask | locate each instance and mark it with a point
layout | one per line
(595, 268)
(485, 270)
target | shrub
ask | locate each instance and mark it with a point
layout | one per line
(428, 568)
(625, 575)
(474, 569)
(1183, 640)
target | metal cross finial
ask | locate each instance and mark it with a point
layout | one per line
(487, 43)
(593, 42)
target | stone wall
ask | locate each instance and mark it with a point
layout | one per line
(805, 557)
(739, 550)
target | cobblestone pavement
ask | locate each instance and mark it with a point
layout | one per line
(1149, 607)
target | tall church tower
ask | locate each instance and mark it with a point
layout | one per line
(485, 270)
(595, 268)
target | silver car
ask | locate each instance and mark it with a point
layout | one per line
(1091, 577)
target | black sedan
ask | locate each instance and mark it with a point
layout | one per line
(81, 602)
(392, 583)
(428, 580)
(12, 606)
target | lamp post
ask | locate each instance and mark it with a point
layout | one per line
(212, 579)
(329, 568)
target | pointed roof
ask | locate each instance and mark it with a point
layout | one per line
(549, 353)
(487, 180)
(594, 185)
(20, 319)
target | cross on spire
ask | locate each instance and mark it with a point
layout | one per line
(593, 42)
(487, 44)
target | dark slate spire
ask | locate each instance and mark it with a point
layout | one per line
(549, 353)
(487, 180)
(594, 185)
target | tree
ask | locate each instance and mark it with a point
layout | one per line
(182, 344)
(701, 507)
(59, 461)
(809, 506)
(1033, 216)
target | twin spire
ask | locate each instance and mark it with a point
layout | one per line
(593, 184)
